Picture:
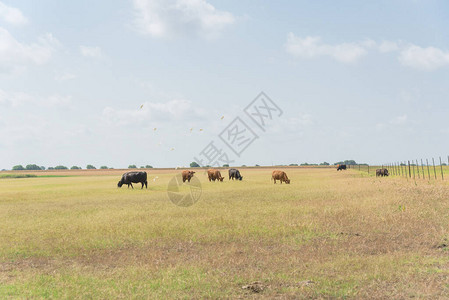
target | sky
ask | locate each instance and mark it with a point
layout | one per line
(154, 82)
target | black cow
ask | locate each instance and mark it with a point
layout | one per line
(234, 173)
(382, 172)
(341, 167)
(133, 177)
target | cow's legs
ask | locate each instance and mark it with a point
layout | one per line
(132, 185)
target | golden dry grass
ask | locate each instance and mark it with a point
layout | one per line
(327, 235)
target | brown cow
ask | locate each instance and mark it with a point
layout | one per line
(281, 176)
(187, 175)
(214, 174)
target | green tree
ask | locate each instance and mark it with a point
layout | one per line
(194, 165)
(103, 167)
(293, 165)
(324, 163)
(90, 167)
(33, 167)
(149, 167)
(225, 166)
(132, 167)
(18, 168)
(50, 168)
(61, 168)
(75, 168)
(42, 168)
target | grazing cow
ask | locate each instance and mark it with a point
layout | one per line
(281, 176)
(234, 173)
(187, 175)
(382, 172)
(341, 167)
(133, 177)
(214, 174)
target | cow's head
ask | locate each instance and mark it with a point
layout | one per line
(221, 178)
(287, 181)
(119, 184)
(191, 173)
(386, 172)
(240, 178)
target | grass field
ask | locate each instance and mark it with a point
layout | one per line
(328, 234)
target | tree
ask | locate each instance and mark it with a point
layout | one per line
(304, 164)
(225, 166)
(324, 163)
(50, 168)
(132, 167)
(42, 168)
(90, 167)
(142, 167)
(257, 165)
(293, 165)
(33, 167)
(149, 167)
(194, 165)
(103, 167)
(75, 168)
(18, 168)
(61, 168)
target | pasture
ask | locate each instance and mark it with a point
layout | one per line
(327, 234)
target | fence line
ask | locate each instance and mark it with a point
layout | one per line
(406, 168)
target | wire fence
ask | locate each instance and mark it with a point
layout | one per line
(425, 169)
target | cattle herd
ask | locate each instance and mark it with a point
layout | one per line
(215, 175)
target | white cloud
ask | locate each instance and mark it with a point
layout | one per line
(12, 15)
(150, 112)
(310, 47)
(20, 99)
(168, 18)
(399, 120)
(429, 58)
(64, 77)
(14, 54)
(388, 46)
(92, 52)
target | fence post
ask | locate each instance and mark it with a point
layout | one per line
(434, 170)
(423, 173)
(409, 171)
(417, 168)
(441, 166)
(413, 166)
(428, 170)
(368, 168)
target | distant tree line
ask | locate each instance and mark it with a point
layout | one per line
(34, 167)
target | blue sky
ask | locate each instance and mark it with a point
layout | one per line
(355, 80)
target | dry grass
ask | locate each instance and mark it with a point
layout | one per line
(327, 235)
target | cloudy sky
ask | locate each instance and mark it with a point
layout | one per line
(362, 80)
